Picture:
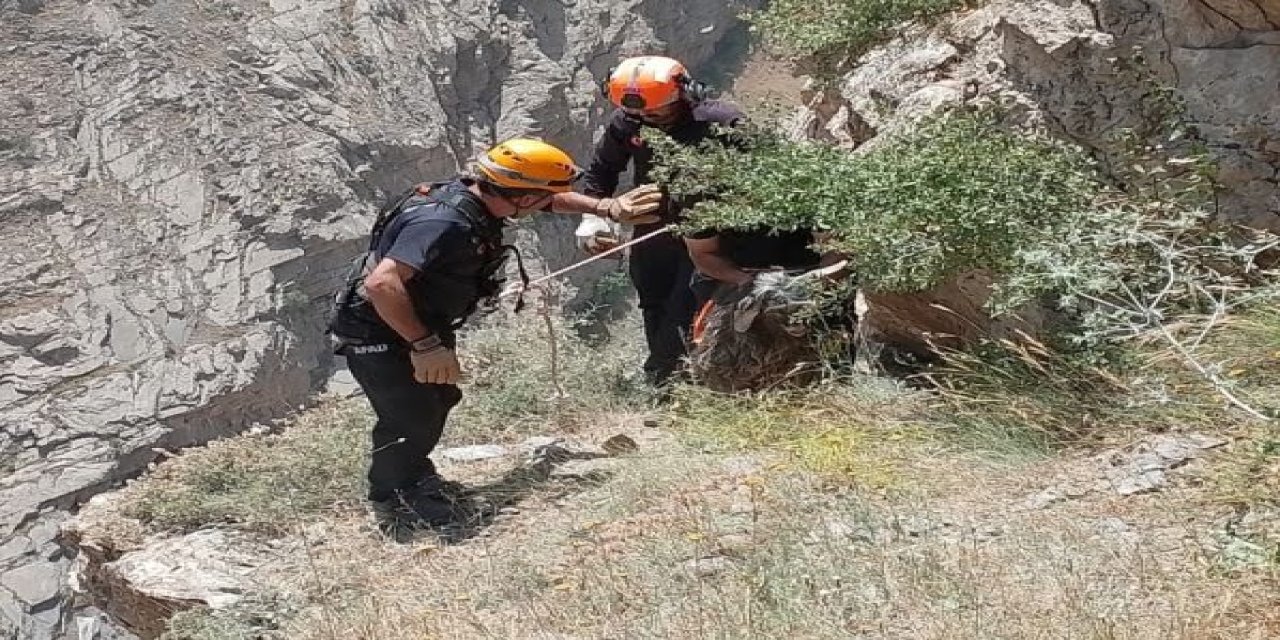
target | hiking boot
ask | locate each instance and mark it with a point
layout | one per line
(425, 505)
(449, 488)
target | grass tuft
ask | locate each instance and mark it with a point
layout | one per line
(262, 483)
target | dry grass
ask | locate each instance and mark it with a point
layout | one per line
(956, 559)
(260, 482)
(858, 509)
(511, 391)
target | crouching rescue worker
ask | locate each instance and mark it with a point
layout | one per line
(434, 255)
(650, 92)
(725, 260)
(728, 258)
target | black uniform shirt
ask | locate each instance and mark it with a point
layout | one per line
(451, 252)
(621, 145)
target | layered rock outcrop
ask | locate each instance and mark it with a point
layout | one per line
(182, 182)
(1087, 70)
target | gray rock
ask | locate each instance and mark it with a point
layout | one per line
(735, 545)
(212, 568)
(533, 445)
(1145, 468)
(709, 567)
(843, 531)
(619, 445)
(36, 584)
(1114, 527)
(1044, 499)
(15, 547)
(342, 384)
(1129, 482)
(13, 615)
(175, 235)
(474, 453)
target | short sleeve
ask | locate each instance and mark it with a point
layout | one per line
(421, 241)
(702, 234)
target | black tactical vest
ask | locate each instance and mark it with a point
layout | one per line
(450, 289)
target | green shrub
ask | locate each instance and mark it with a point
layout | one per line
(954, 195)
(826, 32)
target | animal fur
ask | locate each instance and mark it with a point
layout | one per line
(753, 339)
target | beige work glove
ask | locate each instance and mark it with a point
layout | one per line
(596, 235)
(436, 366)
(637, 206)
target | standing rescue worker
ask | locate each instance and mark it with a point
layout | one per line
(434, 255)
(658, 93)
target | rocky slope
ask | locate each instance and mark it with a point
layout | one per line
(182, 182)
(1089, 69)
(655, 539)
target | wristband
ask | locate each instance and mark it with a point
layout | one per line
(426, 343)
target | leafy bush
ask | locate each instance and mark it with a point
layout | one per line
(825, 32)
(954, 195)
(1136, 255)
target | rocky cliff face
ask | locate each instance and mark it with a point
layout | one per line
(1088, 69)
(182, 182)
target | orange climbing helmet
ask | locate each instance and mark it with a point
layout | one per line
(650, 82)
(528, 163)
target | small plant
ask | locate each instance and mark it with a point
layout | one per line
(827, 34)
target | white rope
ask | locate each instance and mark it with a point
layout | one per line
(582, 263)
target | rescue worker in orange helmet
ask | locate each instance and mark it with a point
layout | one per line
(656, 93)
(435, 253)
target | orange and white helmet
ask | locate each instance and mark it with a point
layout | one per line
(527, 163)
(647, 82)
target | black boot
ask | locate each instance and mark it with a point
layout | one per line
(426, 505)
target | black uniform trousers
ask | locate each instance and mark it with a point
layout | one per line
(411, 416)
(660, 271)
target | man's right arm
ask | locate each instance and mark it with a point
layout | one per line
(704, 251)
(609, 159)
(385, 288)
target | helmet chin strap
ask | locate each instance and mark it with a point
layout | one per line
(520, 212)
